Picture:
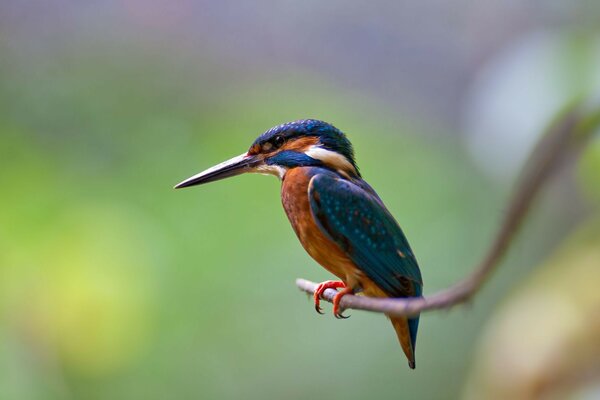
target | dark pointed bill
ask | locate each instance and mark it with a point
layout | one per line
(235, 166)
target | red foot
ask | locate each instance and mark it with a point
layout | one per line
(336, 300)
(321, 287)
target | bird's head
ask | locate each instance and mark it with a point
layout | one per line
(294, 144)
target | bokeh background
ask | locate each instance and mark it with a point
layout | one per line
(115, 286)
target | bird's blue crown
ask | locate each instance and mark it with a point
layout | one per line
(330, 137)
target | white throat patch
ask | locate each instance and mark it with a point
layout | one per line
(331, 159)
(276, 170)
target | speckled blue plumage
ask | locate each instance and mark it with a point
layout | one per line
(292, 159)
(355, 218)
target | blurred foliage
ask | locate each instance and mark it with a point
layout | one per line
(111, 279)
(543, 342)
(112, 285)
(589, 171)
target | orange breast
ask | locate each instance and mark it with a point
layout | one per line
(294, 196)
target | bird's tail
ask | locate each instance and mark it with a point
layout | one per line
(406, 330)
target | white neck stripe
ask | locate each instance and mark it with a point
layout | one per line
(331, 159)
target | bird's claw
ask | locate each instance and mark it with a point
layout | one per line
(337, 311)
(321, 287)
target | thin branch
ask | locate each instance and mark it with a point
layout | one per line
(567, 134)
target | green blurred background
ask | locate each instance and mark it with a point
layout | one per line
(115, 286)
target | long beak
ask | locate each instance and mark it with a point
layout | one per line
(235, 166)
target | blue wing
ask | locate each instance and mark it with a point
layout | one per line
(355, 218)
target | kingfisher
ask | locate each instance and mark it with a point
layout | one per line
(339, 219)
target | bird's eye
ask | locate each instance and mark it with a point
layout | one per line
(278, 141)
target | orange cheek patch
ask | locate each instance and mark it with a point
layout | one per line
(301, 144)
(254, 150)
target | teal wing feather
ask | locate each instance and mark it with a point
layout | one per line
(359, 223)
(354, 217)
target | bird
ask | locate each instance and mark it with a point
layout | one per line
(338, 217)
